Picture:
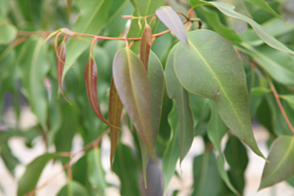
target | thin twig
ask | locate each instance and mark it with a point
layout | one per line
(276, 95)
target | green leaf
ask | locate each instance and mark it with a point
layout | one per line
(131, 81)
(126, 167)
(259, 91)
(4, 7)
(213, 20)
(31, 11)
(29, 179)
(197, 105)
(156, 81)
(236, 156)
(277, 64)
(32, 76)
(212, 57)
(172, 152)
(206, 178)
(171, 19)
(216, 130)
(181, 97)
(73, 188)
(281, 162)
(7, 31)
(275, 27)
(263, 4)
(289, 99)
(95, 171)
(228, 10)
(8, 158)
(93, 18)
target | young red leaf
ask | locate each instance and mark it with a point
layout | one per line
(146, 43)
(61, 54)
(114, 118)
(91, 86)
(133, 87)
(170, 18)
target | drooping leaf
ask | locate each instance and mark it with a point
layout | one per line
(172, 152)
(156, 81)
(93, 18)
(216, 130)
(206, 178)
(8, 158)
(68, 7)
(263, 4)
(228, 10)
(259, 91)
(197, 105)
(170, 18)
(7, 31)
(114, 117)
(181, 97)
(32, 74)
(91, 85)
(29, 179)
(95, 171)
(146, 43)
(131, 81)
(236, 156)
(277, 64)
(212, 18)
(126, 167)
(73, 188)
(60, 60)
(281, 162)
(212, 57)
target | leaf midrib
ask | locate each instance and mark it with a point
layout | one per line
(282, 159)
(220, 85)
(133, 92)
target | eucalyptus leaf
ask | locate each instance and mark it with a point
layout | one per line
(181, 97)
(73, 188)
(33, 172)
(228, 10)
(280, 165)
(8, 32)
(259, 91)
(214, 66)
(172, 152)
(264, 5)
(216, 130)
(95, 171)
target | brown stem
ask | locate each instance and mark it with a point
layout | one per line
(280, 104)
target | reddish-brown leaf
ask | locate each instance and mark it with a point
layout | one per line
(133, 87)
(61, 54)
(91, 86)
(146, 43)
(114, 118)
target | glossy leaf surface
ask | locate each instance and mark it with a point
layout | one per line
(131, 81)
(33, 172)
(170, 18)
(181, 97)
(281, 162)
(212, 57)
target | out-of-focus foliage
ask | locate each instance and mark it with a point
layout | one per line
(169, 87)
